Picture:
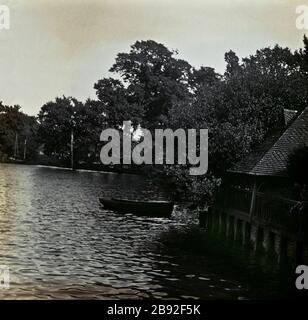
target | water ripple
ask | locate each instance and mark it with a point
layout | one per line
(60, 244)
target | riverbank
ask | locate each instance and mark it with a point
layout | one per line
(95, 167)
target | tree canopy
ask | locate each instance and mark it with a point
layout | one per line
(17, 127)
(153, 88)
(155, 80)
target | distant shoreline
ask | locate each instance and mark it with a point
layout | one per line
(97, 169)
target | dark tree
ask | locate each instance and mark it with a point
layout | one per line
(17, 127)
(116, 104)
(58, 119)
(233, 67)
(155, 79)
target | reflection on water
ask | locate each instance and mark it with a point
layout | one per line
(59, 243)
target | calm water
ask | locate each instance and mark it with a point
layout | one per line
(59, 243)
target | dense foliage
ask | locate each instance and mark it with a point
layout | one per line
(153, 88)
(18, 133)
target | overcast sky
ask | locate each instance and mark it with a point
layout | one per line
(62, 47)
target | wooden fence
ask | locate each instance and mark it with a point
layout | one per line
(283, 214)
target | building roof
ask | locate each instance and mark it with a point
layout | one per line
(289, 116)
(271, 157)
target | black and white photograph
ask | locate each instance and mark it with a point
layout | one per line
(154, 150)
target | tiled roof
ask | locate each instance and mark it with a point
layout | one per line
(289, 116)
(271, 157)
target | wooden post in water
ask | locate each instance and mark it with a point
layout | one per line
(235, 228)
(227, 226)
(246, 232)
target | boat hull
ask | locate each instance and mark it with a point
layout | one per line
(151, 208)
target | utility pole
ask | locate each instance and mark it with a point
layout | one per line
(16, 147)
(72, 149)
(73, 125)
(25, 149)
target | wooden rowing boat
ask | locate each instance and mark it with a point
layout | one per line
(145, 208)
